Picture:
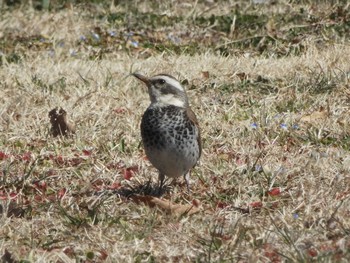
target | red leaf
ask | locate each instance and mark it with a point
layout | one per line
(312, 252)
(114, 186)
(133, 169)
(257, 204)
(118, 165)
(76, 161)
(221, 205)
(59, 160)
(13, 195)
(3, 156)
(87, 152)
(27, 156)
(239, 161)
(61, 193)
(274, 205)
(196, 202)
(271, 253)
(51, 197)
(129, 172)
(38, 198)
(98, 182)
(51, 172)
(41, 185)
(343, 195)
(103, 254)
(5, 196)
(274, 191)
(120, 110)
(69, 251)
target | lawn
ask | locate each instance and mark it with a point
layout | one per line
(269, 82)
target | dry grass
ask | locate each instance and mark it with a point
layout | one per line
(273, 183)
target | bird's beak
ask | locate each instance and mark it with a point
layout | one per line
(144, 79)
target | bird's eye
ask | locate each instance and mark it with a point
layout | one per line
(161, 81)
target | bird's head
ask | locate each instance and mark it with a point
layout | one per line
(164, 89)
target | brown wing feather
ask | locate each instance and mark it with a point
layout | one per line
(192, 116)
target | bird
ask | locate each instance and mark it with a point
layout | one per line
(60, 126)
(169, 128)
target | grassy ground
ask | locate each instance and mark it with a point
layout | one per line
(270, 86)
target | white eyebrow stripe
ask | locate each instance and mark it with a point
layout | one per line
(170, 81)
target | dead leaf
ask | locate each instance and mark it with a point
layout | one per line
(60, 126)
(13, 210)
(271, 27)
(315, 117)
(205, 74)
(7, 257)
(242, 76)
(165, 205)
(344, 121)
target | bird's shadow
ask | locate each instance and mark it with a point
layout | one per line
(147, 188)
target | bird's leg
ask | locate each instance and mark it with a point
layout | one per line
(187, 178)
(161, 178)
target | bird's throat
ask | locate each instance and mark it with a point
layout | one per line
(171, 99)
